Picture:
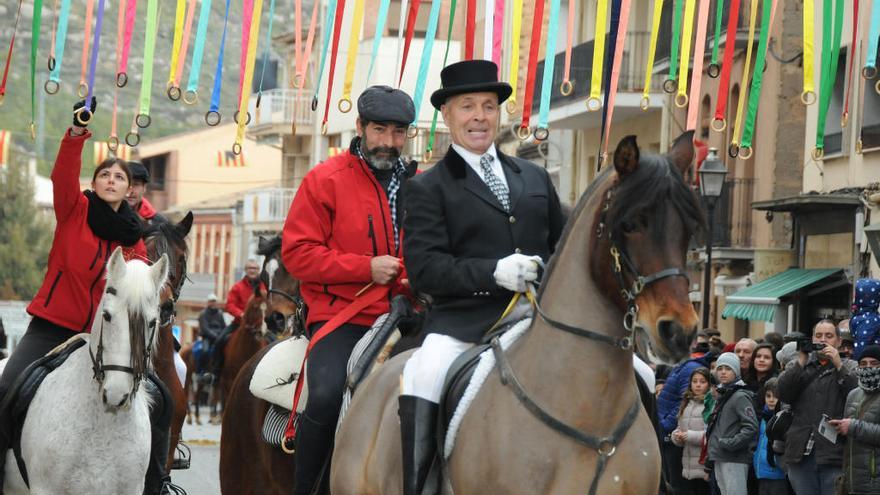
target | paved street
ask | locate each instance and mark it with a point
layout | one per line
(202, 477)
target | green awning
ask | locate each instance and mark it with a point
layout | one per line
(759, 301)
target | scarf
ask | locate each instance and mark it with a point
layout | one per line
(725, 392)
(869, 379)
(393, 188)
(121, 226)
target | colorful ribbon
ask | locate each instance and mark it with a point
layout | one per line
(611, 94)
(192, 86)
(697, 77)
(537, 23)
(489, 28)
(212, 116)
(381, 19)
(671, 83)
(609, 62)
(542, 132)
(719, 123)
(681, 98)
(733, 149)
(35, 42)
(498, 34)
(870, 69)
(253, 40)
(425, 63)
(411, 18)
(83, 90)
(266, 52)
(593, 102)
(303, 60)
(54, 81)
(354, 37)
(830, 54)
(470, 28)
(180, 12)
(808, 95)
(54, 31)
(337, 29)
(567, 87)
(767, 14)
(142, 119)
(714, 69)
(113, 140)
(174, 89)
(247, 20)
(96, 45)
(122, 71)
(430, 148)
(329, 20)
(9, 54)
(851, 55)
(652, 51)
(403, 10)
(516, 30)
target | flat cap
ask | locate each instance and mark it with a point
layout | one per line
(139, 171)
(386, 104)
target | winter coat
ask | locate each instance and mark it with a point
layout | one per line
(733, 432)
(763, 469)
(339, 221)
(865, 321)
(238, 297)
(75, 275)
(669, 401)
(691, 422)
(862, 450)
(813, 390)
(211, 323)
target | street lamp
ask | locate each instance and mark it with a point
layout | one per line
(712, 174)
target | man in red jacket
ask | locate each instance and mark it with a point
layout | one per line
(140, 177)
(343, 233)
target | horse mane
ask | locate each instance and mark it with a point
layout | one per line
(166, 236)
(134, 292)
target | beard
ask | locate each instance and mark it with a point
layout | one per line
(381, 157)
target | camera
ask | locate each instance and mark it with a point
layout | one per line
(807, 345)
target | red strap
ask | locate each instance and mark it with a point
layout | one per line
(537, 23)
(851, 56)
(411, 17)
(9, 54)
(470, 29)
(337, 28)
(372, 295)
(727, 64)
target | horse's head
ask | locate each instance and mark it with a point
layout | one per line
(169, 239)
(124, 330)
(643, 229)
(285, 312)
(252, 317)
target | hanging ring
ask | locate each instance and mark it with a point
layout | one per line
(314, 103)
(746, 152)
(713, 70)
(681, 100)
(121, 79)
(412, 131)
(818, 154)
(566, 88)
(877, 87)
(288, 450)
(844, 119)
(247, 120)
(523, 133)
(298, 80)
(718, 125)
(190, 97)
(51, 86)
(645, 103)
(83, 90)
(2, 98)
(542, 133)
(51, 63)
(869, 72)
(132, 139)
(82, 116)
(143, 120)
(212, 118)
(33, 132)
(236, 149)
(174, 93)
(113, 143)
(428, 155)
(324, 129)
(670, 85)
(344, 105)
(594, 104)
(808, 97)
(733, 150)
(859, 146)
(511, 107)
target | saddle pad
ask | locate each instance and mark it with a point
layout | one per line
(275, 376)
(484, 367)
(353, 360)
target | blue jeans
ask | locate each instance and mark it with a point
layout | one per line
(808, 478)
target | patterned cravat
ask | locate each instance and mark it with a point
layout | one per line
(498, 188)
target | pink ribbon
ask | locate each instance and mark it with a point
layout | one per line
(615, 68)
(697, 78)
(247, 18)
(498, 33)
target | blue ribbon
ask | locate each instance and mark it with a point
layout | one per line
(218, 73)
(377, 38)
(549, 63)
(60, 38)
(199, 48)
(328, 29)
(873, 35)
(96, 42)
(268, 45)
(433, 20)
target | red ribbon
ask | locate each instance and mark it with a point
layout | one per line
(537, 23)
(337, 28)
(373, 294)
(851, 56)
(130, 13)
(470, 29)
(411, 17)
(247, 20)
(9, 54)
(727, 64)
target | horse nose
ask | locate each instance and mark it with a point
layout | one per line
(675, 337)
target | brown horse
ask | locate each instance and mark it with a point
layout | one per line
(629, 232)
(200, 389)
(249, 466)
(170, 239)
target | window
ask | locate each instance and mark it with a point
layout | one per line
(871, 111)
(833, 130)
(156, 165)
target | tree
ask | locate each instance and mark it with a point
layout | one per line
(25, 234)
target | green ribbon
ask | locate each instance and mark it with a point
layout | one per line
(35, 42)
(676, 40)
(757, 76)
(719, 13)
(430, 146)
(830, 56)
(149, 50)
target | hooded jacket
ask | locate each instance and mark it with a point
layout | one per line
(862, 451)
(691, 422)
(733, 430)
(669, 401)
(865, 321)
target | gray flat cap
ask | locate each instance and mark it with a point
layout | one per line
(386, 104)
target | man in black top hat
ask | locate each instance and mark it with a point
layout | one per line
(478, 226)
(140, 177)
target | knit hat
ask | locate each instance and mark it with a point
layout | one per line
(871, 351)
(730, 360)
(786, 354)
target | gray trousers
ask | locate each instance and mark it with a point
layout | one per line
(732, 478)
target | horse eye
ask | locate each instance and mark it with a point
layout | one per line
(628, 227)
(106, 316)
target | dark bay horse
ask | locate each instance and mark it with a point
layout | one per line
(618, 270)
(170, 239)
(245, 341)
(248, 465)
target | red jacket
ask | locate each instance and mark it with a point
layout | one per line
(146, 210)
(339, 220)
(75, 278)
(238, 297)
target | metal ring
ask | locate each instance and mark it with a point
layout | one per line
(869, 72)
(818, 154)
(746, 152)
(173, 93)
(681, 100)
(190, 97)
(412, 131)
(511, 107)
(594, 104)
(713, 70)
(293, 128)
(82, 116)
(246, 122)
(132, 139)
(323, 128)
(121, 79)
(287, 450)
(670, 85)
(645, 103)
(51, 86)
(722, 124)
(523, 133)
(314, 103)
(212, 118)
(113, 143)
(236, 149)
(859, 146)
(344, 105)
(428, 155)
(299, 80)
(844, 119)
(143, 120)
(82, 90)
(733, 150)
(626, 343)
(259, 100)
(33, 132)
(51, 63)
(606, 448)
(2, 97)
(542, 133)
(566, 88)
(877, 87)
(808, 97)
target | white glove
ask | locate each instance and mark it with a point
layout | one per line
(514, 271)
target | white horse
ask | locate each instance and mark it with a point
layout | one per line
(88, 427)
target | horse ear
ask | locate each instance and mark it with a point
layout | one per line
(116, 266)
(159, 271)
(263, 245)
(626, 156)
(186, 224)
(682, 152)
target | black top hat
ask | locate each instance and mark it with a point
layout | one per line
(470, 76)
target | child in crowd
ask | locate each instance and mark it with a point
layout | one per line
(690, 432)
(771, 478)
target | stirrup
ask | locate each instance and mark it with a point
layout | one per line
(182, 456)
(169, 488)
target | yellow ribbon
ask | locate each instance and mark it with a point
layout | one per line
(809, 69)
(253, 39)
(178, 39)
(743, 85)
(598, 56)
(649, 69)
(357, 20)
(514, 54)
(529, 294)
(687, 33)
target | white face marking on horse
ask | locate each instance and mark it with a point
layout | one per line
(271, 268)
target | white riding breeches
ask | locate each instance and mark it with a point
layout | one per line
(425, 371)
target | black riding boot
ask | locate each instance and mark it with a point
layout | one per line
(157, 480)
(418, 424)
(314, 444)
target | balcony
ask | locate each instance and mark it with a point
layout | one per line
(267, 206)
(279, 110)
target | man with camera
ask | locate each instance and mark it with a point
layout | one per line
(816, 385)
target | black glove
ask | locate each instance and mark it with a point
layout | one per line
(80, 104)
